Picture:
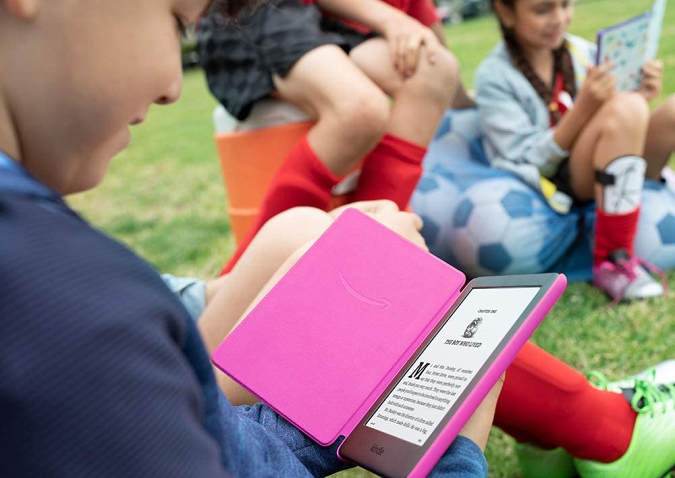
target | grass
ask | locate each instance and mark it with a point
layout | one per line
(164, 197)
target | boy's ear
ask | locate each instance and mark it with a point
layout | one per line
(22, 9)
(505, 13)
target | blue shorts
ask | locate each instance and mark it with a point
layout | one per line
(191, 292)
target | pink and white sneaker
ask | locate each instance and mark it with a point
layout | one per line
(625, 278)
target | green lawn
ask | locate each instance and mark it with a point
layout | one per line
(164, 197)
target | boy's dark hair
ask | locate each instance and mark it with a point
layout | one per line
(562, 64)
(232, 8)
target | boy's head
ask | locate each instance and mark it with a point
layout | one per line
(76, 74)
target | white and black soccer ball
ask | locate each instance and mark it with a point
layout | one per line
(498, 227)
(655, 240)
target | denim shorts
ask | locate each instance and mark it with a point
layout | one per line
(190, 291)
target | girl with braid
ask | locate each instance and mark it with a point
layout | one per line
(558, 122)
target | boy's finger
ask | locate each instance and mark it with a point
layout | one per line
(416, 220)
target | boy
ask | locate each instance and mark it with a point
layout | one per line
(103, 373)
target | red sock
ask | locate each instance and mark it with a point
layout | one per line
(302, 180)
(548, 403)
(391, 171)
(612, 232)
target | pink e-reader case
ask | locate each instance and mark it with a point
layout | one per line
(328, 338)
(332, 335)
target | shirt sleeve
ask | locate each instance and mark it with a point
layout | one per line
(279, 448)
(464, 459)
(424, 11)
(507, 129)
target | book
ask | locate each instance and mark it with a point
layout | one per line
(628, 45)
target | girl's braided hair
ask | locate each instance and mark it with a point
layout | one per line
(562, 63)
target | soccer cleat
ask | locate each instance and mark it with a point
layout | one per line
(660, 374)
(625, 278)
(536, 462)
(651, 453)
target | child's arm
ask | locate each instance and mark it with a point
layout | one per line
(599, 86)
(512, 134)
(509, 133)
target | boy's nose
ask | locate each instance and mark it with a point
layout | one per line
(173, 92)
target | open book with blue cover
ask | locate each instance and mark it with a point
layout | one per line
(628, 45)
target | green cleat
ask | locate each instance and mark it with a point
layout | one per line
(536, 462)
(651, 453)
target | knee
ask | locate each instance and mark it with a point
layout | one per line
(626, 115)
(290, 230)
(303, 223)
(437, 82)
(363, 116)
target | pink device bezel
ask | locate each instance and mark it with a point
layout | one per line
(495, 370)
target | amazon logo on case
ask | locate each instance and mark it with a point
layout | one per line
(383, 304)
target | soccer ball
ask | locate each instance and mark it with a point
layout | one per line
(432, 201)
(495, 229)
(448, 168)
(655, 240)
(483, 220)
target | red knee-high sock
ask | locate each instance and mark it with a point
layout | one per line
(546, 402)
(302, 180)
(391, 171)
(612, 232)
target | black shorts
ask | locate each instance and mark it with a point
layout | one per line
(240, 57)
(562, 181)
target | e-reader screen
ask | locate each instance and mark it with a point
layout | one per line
(431, 386)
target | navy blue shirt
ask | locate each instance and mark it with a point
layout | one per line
(102, 372)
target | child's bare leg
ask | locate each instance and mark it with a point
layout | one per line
(351, 111)
(270, 254)
(392, 170)
(275, 242)
(660, 142)
(617, 129)
(351, 116)
(419, 101)
(606, 165)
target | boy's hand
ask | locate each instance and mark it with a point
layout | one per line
(652, 79)
(477, 429)
(600, 86)
(406, 37)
